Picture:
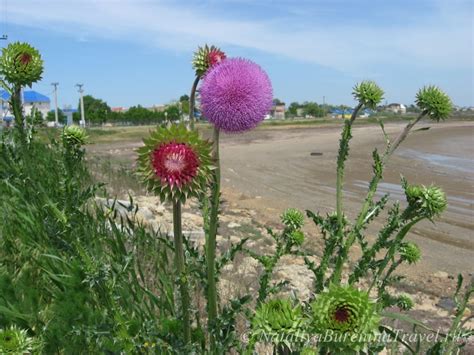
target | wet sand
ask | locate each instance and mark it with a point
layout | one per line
(271, 169)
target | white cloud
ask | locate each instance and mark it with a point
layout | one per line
(443, 41)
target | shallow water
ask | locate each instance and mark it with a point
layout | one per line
(456, 163)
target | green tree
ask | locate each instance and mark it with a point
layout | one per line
(172, 113)
(184, 102)
(51, 117)
(95, 110)
(293, 108)
(313, 109)
(36, 118)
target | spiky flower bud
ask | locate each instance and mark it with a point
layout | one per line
(410, 252)
(434, 102)
(292, 218)
(175, 163)
(368, 93)
(349, 314)
(404, 302)
(74, 136)
(205, 58)
(429, 201)
(21, 64)
(16, 341)
(277, 320)
(296, 237)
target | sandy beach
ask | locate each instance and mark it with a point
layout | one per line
(271, 169)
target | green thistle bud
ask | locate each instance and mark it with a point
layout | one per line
(368, 93)
(404, 302)
(21, 64)
(278, 319)
(292, 218)
(16, 341)
(349, 314)
(434, 102)
(74, 136)
(296, 237)
(174, 163)
(410, 252)
(205, 58)
(429, 201)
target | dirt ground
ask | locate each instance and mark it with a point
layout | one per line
(270, 169)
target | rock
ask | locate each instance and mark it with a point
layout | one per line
(248, 266)
(234, 239)
(441, 274)
(233, 225)
(299, 277)
(446, 303)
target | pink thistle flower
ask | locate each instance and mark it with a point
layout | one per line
(236, 95)
(176, 164)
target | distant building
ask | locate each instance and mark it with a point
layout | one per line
(119, 109)
(31, 99)
(278, 111)
(157, 108)
(341, 113)
(397, 108)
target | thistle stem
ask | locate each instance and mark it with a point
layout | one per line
(17, 110)
(392, 250)
(180, 268)
(211, 242)
(341, 158)
(370, 194)
(401, 137)
(192, 100)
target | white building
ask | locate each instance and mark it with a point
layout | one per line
(397, 108)
(31, 99)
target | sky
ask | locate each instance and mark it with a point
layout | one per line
(130, 52)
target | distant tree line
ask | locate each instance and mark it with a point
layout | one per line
(98, 111)
(307, 108)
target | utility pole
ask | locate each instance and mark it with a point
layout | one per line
(56, 119)
(81, 91)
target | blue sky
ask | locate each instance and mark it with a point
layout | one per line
(131, 52)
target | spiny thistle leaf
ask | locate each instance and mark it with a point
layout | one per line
(277, 320)
(434, 102)
(404, 302)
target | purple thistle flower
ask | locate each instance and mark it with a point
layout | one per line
(236, 95)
